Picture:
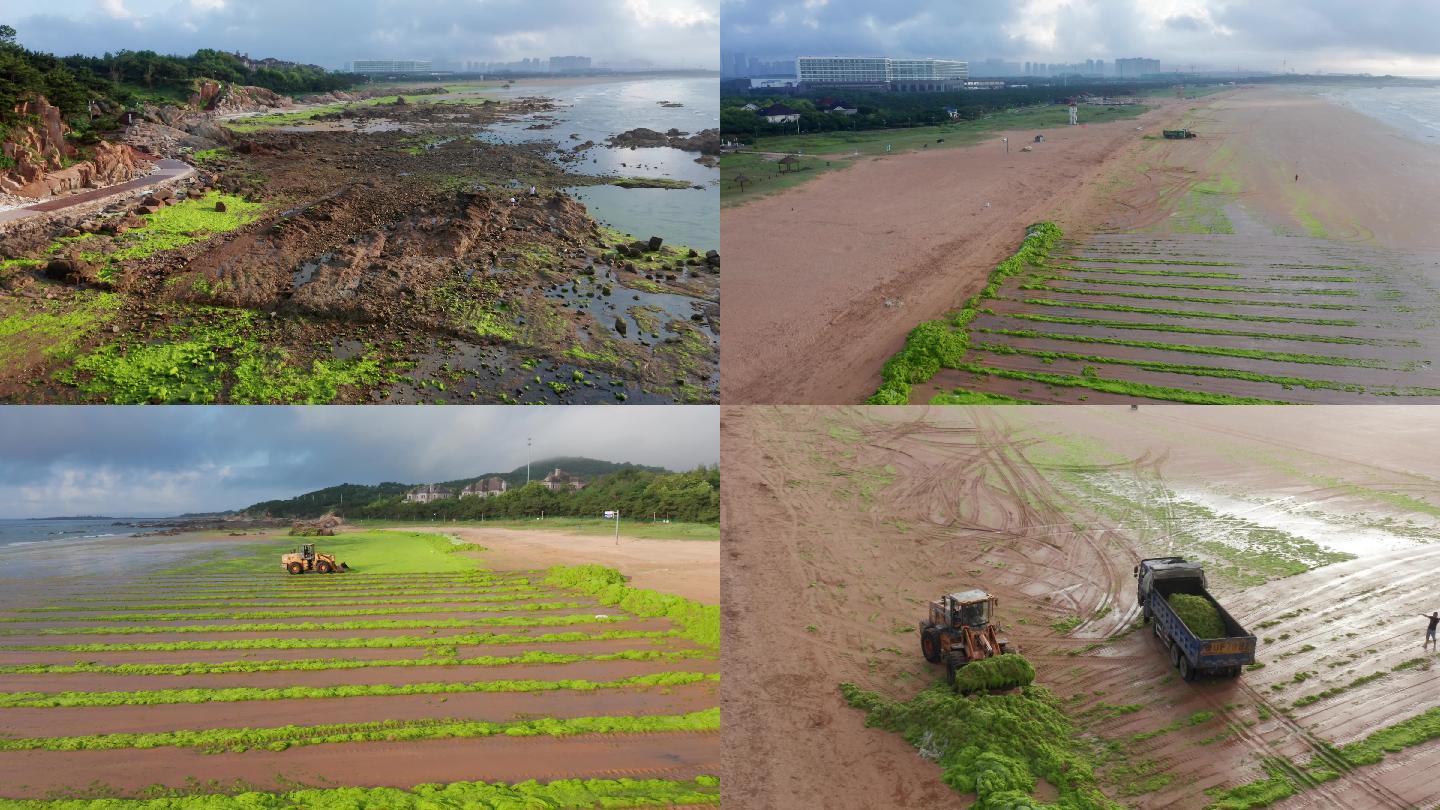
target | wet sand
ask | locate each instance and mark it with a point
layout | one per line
(126, 584)
(404, 765)
(966, 509)
(809, 271)
(495, 707)
(812, 269)
(688, 568)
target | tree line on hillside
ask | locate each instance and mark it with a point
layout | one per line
(690, 497)
(347, 496)
(878, 110)
(127, 78)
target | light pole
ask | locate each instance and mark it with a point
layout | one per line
(527, 459)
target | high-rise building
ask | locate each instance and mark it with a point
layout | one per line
(569, 64)
(390, 66)
(1135, 68)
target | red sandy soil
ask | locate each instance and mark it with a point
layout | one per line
(823, 568)
(808, 270)
(676, 756)
(689, 568)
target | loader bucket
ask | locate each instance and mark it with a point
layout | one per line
(344, 566)
(1007, 671)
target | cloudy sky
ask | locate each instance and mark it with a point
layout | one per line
(143, 461)
(334, 32)
(1377, 36)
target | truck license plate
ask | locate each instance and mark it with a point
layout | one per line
(1224, 647)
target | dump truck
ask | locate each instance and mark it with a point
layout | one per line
(305, 559)
(1178, 134)
(1159, 578)
(960, 629)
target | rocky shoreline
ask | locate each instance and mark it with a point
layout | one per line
(387, 237)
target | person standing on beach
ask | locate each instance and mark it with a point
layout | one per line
(1430, 631)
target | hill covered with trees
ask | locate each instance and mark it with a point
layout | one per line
(692, 497)
(91, 90)
(876, 110)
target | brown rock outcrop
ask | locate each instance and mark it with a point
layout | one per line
(43, 161)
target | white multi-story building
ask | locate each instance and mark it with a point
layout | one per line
(883, 73)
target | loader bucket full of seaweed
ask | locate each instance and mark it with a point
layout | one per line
(961, 631)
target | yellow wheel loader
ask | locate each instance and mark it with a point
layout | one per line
(305, 559)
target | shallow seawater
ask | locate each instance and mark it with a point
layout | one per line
(101, 556)
(595, 112)
(1412, 110)
(646, 212)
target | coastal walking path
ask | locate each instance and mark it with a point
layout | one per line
(169, 170)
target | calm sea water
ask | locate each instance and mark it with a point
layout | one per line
(1412, 110)
(595, 112)
(15, 533)
(49, 548)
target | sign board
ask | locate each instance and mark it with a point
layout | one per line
(610, 514)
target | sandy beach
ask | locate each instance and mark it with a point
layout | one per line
(809, 271)
(688, 568)
(826, 279)
(414, 633)
(824, 585)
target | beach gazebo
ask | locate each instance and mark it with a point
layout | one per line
(789, 163)
(740, 180)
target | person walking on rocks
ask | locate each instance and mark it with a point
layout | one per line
(1430, 631)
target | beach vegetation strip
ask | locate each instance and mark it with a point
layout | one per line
(441, 656)
(360, 643)
(152, 697)
(1252, 310)
(295, 614)
(407, 590)
(565, 794)
(313, 627)
(239, 740)
(560, 794)
(943, 343)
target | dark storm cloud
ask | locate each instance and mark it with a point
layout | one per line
(1307, 34)
(333, 32)
(131, 461)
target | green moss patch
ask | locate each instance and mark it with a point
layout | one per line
(51, 330)
(214, 357)
(181, 224)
